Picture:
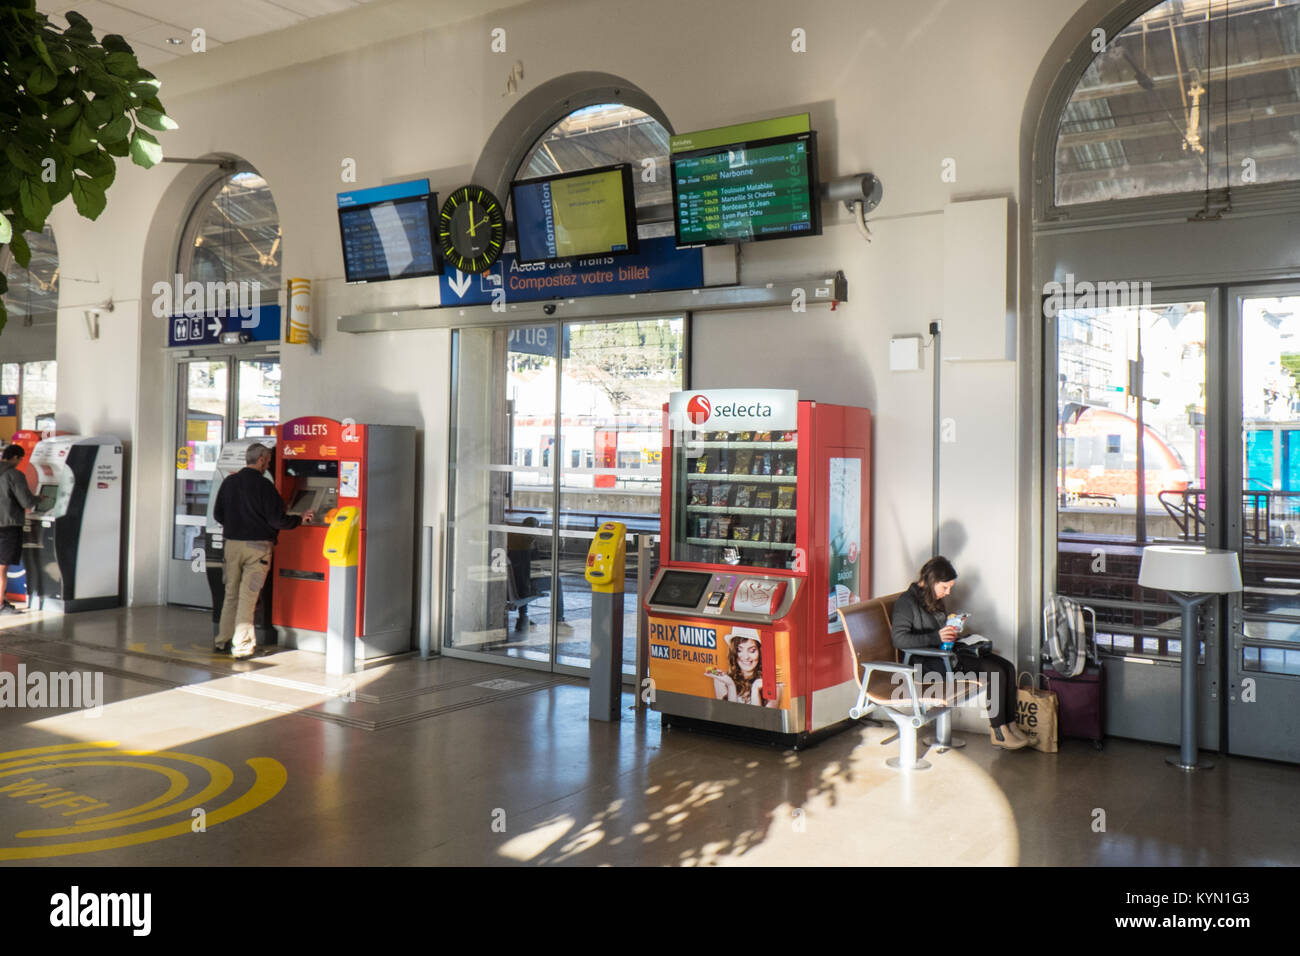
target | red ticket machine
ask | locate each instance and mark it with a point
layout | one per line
(321, 465)
(766, 519)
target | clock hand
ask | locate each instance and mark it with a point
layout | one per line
(471, 220)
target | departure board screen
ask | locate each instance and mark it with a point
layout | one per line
(389, 240)
(586, 213)
(747, 192)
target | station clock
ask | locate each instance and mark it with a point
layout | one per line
(471, 229)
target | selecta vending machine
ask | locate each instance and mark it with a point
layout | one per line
(765, 529)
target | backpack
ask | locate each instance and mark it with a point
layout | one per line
(1068, 641)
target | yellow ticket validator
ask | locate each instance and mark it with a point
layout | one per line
(342, 539)
(607, 558)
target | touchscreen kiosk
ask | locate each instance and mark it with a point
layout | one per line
(323, 465)
(73, 548)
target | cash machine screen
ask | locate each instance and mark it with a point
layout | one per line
(680, 589)
(48, 495)
(302, 501)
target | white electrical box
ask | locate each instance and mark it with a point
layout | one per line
(905, 353)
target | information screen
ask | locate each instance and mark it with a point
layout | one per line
(590, 213)
(680, 589)
(389, 240)
(747, 192)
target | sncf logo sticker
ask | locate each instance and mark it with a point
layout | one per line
(698, 409)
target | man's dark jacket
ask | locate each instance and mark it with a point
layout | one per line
(250, 509)
(14, 495)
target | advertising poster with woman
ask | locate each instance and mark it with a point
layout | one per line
(845, 516)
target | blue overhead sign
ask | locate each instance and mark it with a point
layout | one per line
(263, 325)
(537, 340)
(658, 267)
(364, 197)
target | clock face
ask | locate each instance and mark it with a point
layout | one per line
(471, 229)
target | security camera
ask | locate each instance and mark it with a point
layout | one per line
(549, 308)
(864, 188)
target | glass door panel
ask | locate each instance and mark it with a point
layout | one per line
(1131, 471)
(501, 527)
(203, 397)
(1264, 668)
(259, 397)
(616, 379)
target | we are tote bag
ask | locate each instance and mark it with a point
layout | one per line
(1037, 714)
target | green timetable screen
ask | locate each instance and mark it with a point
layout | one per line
(744, 193)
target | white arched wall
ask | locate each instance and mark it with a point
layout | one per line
(880, 79)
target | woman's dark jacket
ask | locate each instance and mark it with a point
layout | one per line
(913, 625)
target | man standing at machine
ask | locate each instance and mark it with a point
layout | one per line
(15, 499)
(252, 514)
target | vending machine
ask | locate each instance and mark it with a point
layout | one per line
(231, 460)
(321, 465)
(766, 531)
(73, 549)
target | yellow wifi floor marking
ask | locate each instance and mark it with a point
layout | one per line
(35, 752)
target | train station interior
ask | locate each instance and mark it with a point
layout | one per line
(615, 371)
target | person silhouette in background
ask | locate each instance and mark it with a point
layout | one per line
(16, 499)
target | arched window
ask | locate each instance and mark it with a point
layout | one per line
(1193, 95)
(33, 295)
(601, 136)
(234, 235)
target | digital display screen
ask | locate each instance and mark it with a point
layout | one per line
(747, 192)
(389, 240)
(302, 501)
(48, 495)
(311, 468)
(589, 213)
(680, 589)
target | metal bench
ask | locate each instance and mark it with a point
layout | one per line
(890, 687)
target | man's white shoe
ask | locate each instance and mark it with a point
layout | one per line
(243, 651)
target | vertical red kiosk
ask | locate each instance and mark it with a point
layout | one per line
(765, 532)
(321, 465)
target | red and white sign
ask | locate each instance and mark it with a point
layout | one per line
(734, 409)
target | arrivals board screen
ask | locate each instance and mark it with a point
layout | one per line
(389, 240)
(746, 192)
(587, 213)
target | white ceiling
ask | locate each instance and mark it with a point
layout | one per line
(148, 24)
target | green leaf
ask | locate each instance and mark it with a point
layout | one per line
(82, 139)
(62, 185)
(99, 165)
(154, 119)
(4, 283)
(20, 158)
(145, 150)
(146, 88)
(4, 316)
(121, 147)
(115, 43)
(34, 199)
(78, 26)
(39, 45)
(41, 80)
(123, 64)
(117, 131)
(98, 112)
(6, 230)
(65, 115)
(22, 252)
(89, 197)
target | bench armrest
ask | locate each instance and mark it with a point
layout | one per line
(949, 658)
(908, 672)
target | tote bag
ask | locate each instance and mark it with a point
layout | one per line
(1037, 714)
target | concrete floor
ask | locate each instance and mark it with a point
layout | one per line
(196, 760)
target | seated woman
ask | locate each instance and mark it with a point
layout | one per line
(919, 621)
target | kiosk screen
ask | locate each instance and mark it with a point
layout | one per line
(680, 589)
(48, 495)
(302, 501)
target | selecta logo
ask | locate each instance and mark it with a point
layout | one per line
(698, 409)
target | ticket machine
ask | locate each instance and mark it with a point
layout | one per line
(73, 549)
(230, 461)
(323, 465)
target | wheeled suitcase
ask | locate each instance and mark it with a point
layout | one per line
(1079, 703)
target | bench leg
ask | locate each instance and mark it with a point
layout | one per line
(906, 759)
(943, 741)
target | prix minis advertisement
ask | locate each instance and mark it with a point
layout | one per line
(719, 660)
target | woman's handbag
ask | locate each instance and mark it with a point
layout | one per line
(1036, 714)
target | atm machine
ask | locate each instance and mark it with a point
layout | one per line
(322, 465)
(73, 549)
(230, 461)
(766, 532)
